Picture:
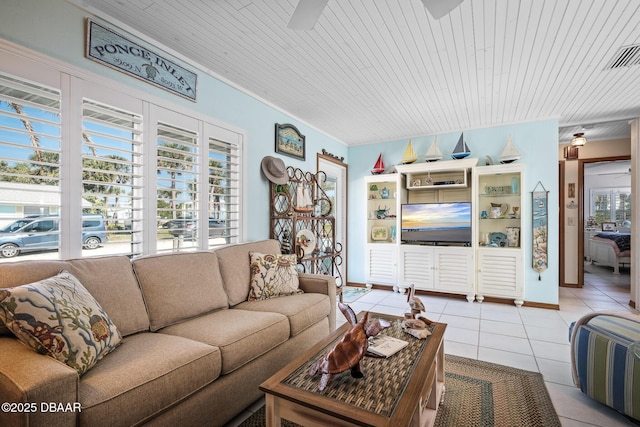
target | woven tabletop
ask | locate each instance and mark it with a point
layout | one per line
(384, 382)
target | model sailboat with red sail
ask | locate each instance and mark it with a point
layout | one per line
(378, 168)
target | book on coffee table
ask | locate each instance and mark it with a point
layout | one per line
(385, 346)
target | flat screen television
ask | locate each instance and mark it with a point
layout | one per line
(436, 223)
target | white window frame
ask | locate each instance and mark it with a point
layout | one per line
(608, 191)
(76, 84)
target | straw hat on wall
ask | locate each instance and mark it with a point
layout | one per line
(275, 170)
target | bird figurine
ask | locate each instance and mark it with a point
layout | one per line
(414, 323)
(349, 351)
(415, 304)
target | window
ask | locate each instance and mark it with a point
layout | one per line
(112, 175)
(177, 188)
(122, 176)
(611, 205)
(224, 192)
(29, 152)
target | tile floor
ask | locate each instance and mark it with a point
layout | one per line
(527, 338)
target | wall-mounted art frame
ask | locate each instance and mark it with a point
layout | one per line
(608, 226)
(289, 141)
(120, 52)
(570, 152)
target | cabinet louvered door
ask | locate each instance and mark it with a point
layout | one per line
(453, 271)
(416, 267)
(499, 274)
(381, 265)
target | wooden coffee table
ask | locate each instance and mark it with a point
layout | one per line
(402, 390)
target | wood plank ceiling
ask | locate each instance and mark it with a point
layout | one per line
(379, 70)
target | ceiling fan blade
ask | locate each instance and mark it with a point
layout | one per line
(439, 8)
(306, 14)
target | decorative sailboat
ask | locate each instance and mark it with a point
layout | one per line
(509, 153)
(378, 168)
(409, 154)
(303, 202)
(433, 153)
(461, 151)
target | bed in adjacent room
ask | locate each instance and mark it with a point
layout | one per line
(611, 248)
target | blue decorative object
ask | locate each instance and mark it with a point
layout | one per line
(498, 238)
(514, 185)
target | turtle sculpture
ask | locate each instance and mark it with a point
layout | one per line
(349, 351)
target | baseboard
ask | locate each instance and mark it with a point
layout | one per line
(373, 286)
(570, 285)
(464, 297)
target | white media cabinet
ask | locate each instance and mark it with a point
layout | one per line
(491, 265)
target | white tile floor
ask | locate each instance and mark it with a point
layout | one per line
(528, 338)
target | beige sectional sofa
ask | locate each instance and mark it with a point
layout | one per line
(193, 352)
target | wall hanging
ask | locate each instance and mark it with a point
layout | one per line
(119, 52)
(289, 141)
(540, 228)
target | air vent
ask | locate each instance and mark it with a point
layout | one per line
(626, 56)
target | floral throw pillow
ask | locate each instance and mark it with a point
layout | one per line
(273, 276)
(59, 317)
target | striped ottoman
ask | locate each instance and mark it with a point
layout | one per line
(605, 359)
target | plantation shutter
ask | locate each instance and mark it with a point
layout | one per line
(30, 135)
(112, 174)
(224, 192)
(177, 189)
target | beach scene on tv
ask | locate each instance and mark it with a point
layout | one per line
(436, 222)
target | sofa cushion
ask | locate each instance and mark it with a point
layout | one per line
(112, 283)
(241, 335)
(23, 272)
(273, 275)
(59, 317)
(235, 266)
(177, 287)
(148, 373)
(109, 279)
(302, 310)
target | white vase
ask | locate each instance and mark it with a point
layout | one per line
(513, 237)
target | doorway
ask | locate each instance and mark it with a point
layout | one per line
(605, 185)
(335, 187)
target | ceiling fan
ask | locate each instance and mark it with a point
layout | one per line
(308, 11)
(618, 168)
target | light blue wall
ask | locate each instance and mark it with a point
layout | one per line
(538, 146)
(57, 28)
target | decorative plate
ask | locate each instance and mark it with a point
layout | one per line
(306, 241)
(379, 233)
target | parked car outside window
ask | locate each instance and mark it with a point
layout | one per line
(42, 233)
(187, 228)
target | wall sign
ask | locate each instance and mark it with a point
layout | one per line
(290, 141)
(116, 51)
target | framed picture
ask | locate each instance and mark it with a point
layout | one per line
(289, 141)
(570, 152)
(608, 226)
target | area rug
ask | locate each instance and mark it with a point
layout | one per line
(351, 293)
(480, 393)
